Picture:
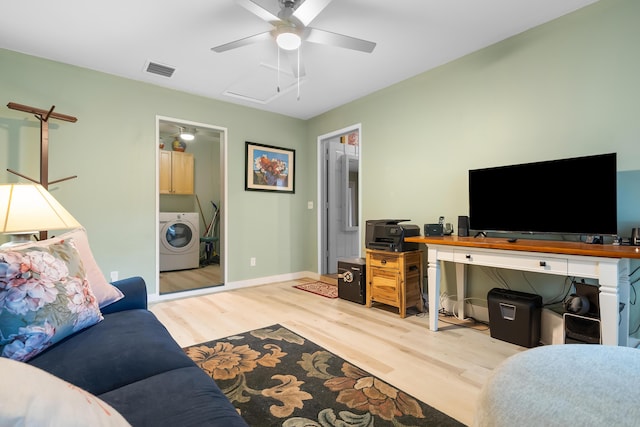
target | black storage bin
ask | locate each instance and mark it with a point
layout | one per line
(515, 316)
(581, 329)
(352, 284)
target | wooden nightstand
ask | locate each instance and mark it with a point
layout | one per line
(395, 279)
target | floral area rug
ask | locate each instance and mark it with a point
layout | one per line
(275, 377)
(319, 288)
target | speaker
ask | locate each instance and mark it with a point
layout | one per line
(577, 304)
(463, 226)
(585, 301)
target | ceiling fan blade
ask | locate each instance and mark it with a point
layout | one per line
(259, 11)
(243, 42)
(293, 60)
(309, 9)
(315, 35)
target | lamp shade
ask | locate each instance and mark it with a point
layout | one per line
(28, 208)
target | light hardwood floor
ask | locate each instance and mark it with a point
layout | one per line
(445, 369)
(186, 280)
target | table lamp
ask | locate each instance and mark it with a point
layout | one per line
(26, 209)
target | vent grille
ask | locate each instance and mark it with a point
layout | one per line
(159, 69)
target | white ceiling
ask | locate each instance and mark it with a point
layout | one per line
(120, 37)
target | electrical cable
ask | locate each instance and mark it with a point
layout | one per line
(494, 274)
(566, 293)
(443, 298)
(468, 326)
(456, 304)
(526, 279)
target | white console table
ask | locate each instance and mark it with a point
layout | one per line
(609, 264)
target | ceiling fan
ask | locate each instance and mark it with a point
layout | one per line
(290, 29)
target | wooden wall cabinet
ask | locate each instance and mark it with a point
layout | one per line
(176, 172)
(395, 279)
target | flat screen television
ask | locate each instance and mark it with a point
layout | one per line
(568, 196)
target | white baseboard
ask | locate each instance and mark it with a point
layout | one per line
(235, 285)
(270, 279)
(478, 312)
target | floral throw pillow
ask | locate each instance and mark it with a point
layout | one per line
(44, 297)
(105, 292)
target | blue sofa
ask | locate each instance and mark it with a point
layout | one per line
(131, 362)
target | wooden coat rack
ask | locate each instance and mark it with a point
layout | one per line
(43, 116)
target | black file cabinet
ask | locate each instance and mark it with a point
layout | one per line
(352, 283)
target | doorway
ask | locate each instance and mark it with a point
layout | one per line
(339, 201)
(190, 202)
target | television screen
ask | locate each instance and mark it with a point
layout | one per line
(567, 196)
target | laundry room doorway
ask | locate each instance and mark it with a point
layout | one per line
(191, 199)
(339, 200)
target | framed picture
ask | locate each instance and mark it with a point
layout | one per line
(269, 168)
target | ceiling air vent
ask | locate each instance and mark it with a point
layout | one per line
(159, 69)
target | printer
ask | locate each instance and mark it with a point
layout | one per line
(388, 235)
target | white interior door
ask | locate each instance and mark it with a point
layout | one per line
(340, 201)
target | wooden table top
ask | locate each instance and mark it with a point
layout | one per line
(531, 245)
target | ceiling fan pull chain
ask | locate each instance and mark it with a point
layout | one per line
(278, 78)
(299, 48)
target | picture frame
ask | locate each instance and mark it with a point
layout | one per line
(269, 168)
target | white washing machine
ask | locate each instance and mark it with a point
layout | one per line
(179, 240)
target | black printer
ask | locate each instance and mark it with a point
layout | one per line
(388, 235)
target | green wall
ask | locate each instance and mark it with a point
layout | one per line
(112, 150)
(567, 88)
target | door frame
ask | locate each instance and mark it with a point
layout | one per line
(223, 208)
(321, 181)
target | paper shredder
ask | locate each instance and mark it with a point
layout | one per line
(515, 316)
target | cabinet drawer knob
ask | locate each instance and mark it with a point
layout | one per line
(383, 262)
(543, 263)
(468, 256)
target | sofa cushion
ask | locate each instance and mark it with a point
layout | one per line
(126, 347)
(32, 397)
(105, 292)
(182, 397)
(135, 295)
(44, 297)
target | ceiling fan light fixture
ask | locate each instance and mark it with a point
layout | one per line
(187, 135)
(288, 40)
